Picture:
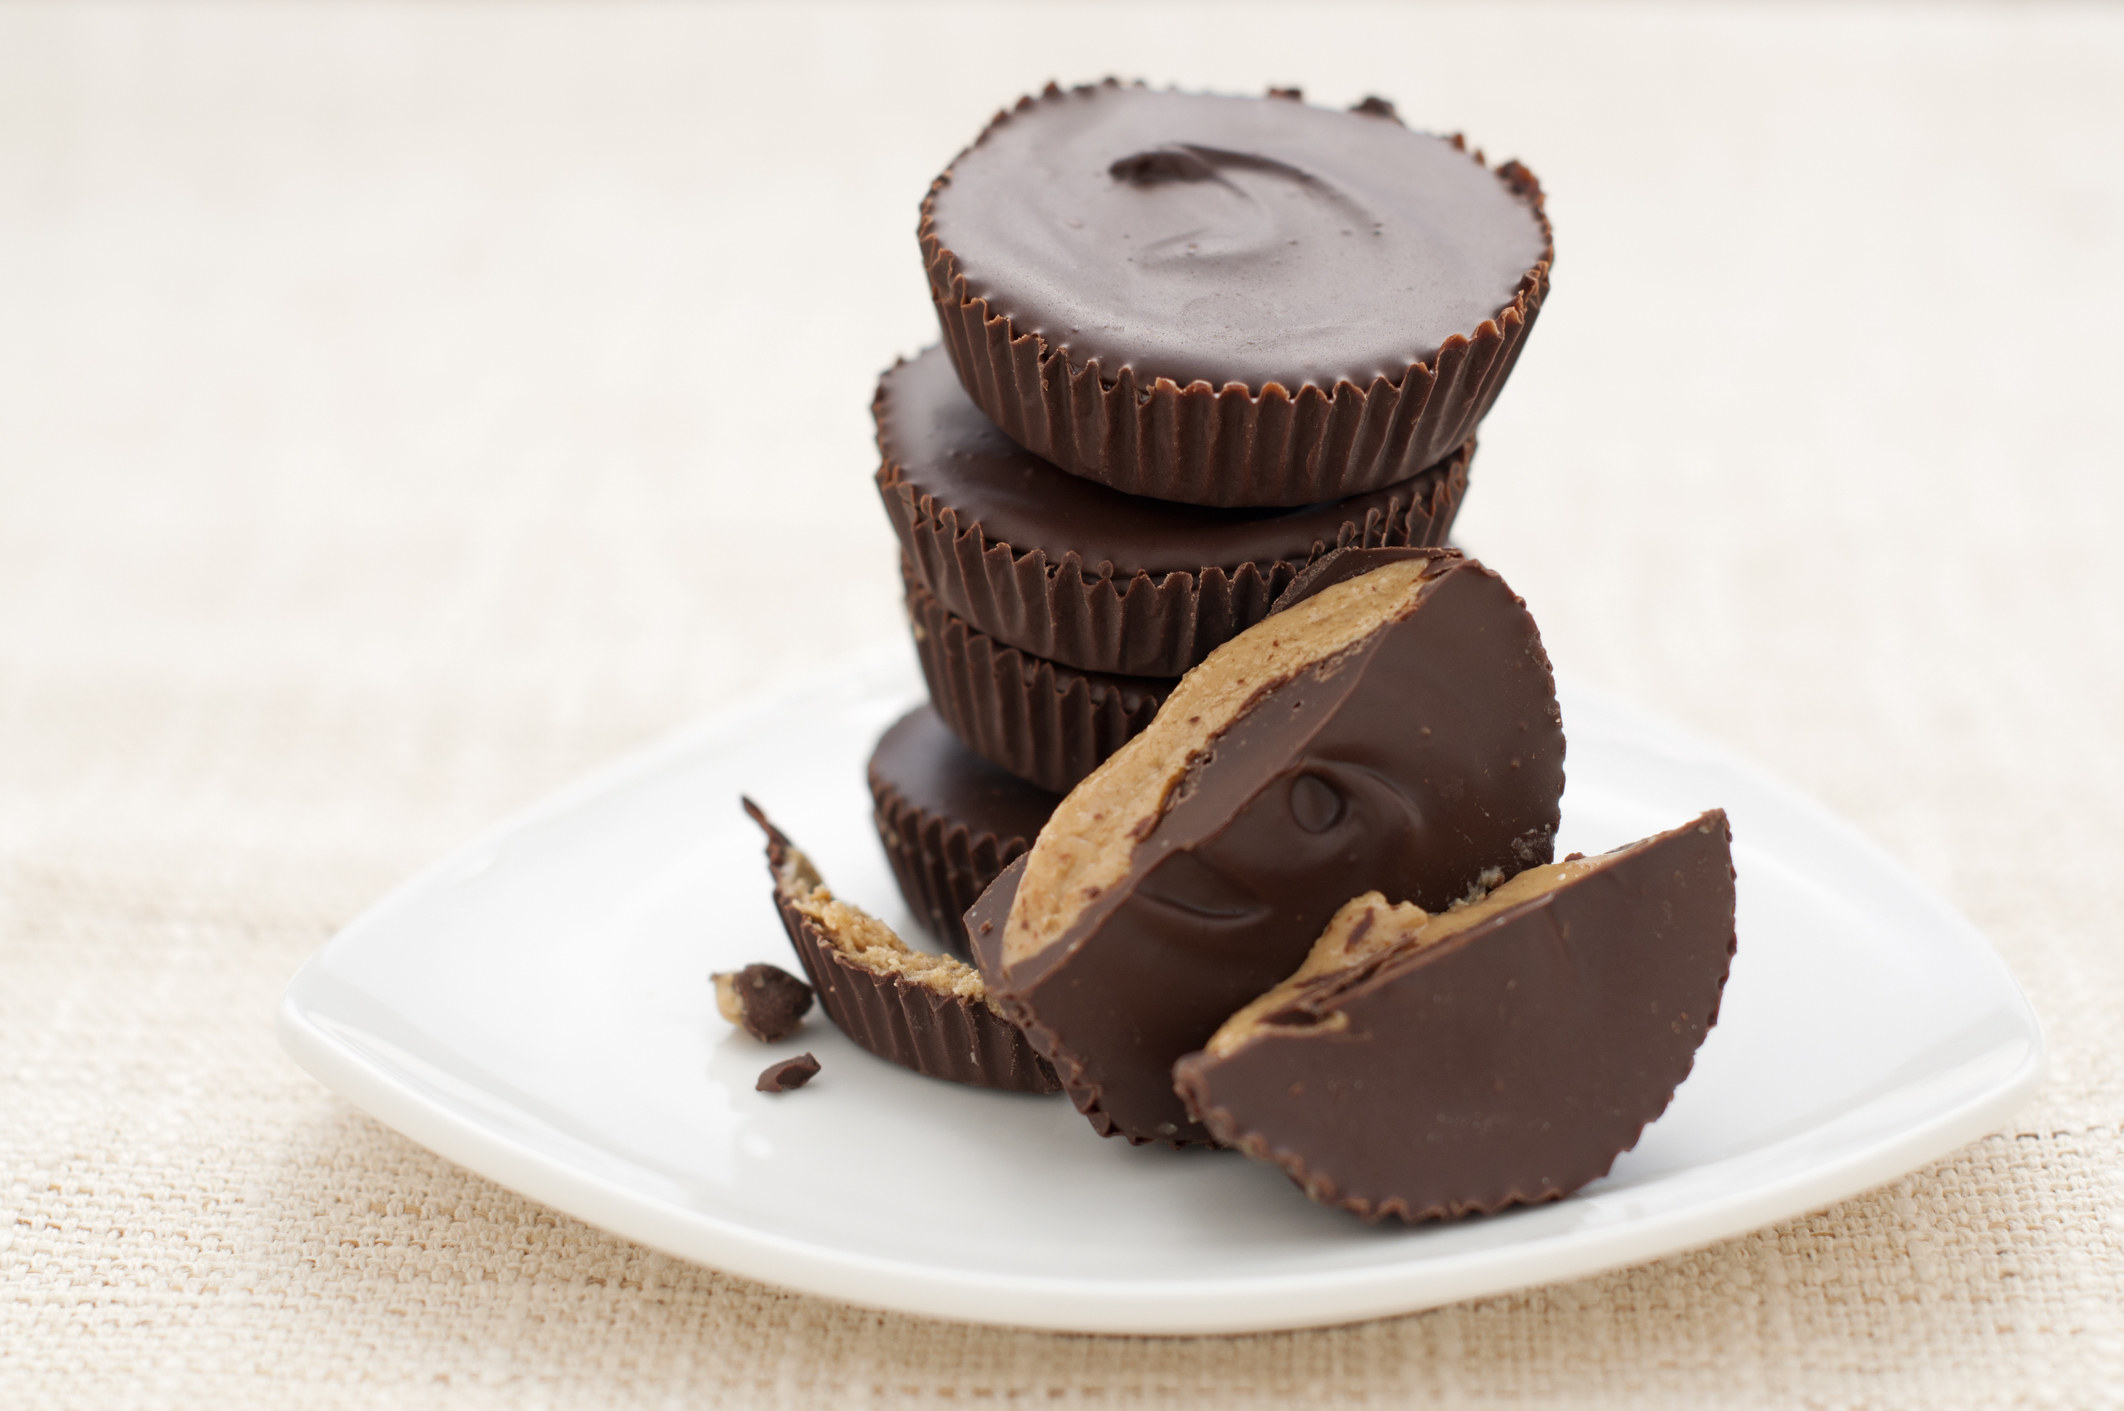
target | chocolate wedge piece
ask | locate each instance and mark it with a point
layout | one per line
(1396, 730)
(927, 1012)
(1502, 1053)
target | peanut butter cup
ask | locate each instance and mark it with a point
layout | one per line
(950, 820)
(1397, 730)
(1044, 722)
(1083, 575)
(1501, 1053)
(1231, 301)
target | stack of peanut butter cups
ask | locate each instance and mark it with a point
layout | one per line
(1191, 343)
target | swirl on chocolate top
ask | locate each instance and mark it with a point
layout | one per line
(1198, 237)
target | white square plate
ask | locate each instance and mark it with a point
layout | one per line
(536, 1008)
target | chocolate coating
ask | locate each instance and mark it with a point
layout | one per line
(946, 451)
(949, 820)
(1505, 1065)
(985, 918)
(1047, 723)
(1416, 762)
(1199, 237)
(1072, 571)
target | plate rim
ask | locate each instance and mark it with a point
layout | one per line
(1179, 1307)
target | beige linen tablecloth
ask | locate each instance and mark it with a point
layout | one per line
(404, 409)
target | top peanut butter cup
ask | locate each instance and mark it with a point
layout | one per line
(1231, 301)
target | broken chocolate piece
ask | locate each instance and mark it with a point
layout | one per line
(930, 1013)
(765, 1001)
(1398, 730)
(789, 1073)
(1502, 1053)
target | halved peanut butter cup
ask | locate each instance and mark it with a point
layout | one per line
(1504, 1052)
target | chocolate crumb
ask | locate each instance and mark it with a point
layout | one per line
(765, 1001)
(789, 1073)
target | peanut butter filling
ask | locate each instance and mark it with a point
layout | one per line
(1367, 927)
(1090, 842)
(861, 939)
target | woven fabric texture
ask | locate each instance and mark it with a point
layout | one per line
(404, 409)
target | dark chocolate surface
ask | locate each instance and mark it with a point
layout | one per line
(986, 918)
(1224, 239)
(925, 764)
(1422, 758)
(944, 448)
(1505, 1065)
